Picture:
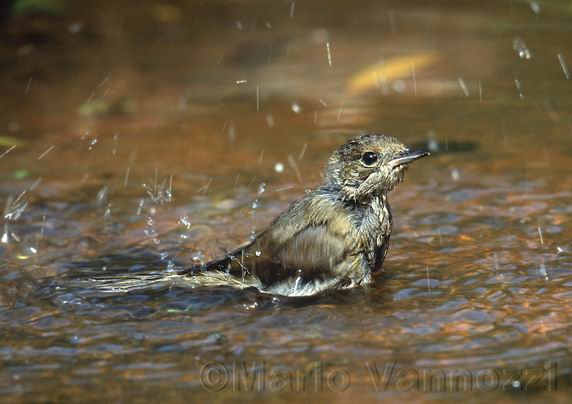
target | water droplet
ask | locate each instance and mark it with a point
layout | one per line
(320, 36)
(92, 144)
(518, 87)
(198, 258)
(101, 197)
(75, 27)
(296, 108)
(251, 306)
(534, 6)
(140, 207)
(261, 188)
(279, 167)
(399, 86)
(171, 267)
(520, 47)
(13, 126)
(115, 147)
(231, 133)
(185, 221)
(542, 271)
(432, 143)
(150, 230)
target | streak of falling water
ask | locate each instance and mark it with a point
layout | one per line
(463, 86)
(542, 271)
(564, 66)
(518, 87)
(115, 144)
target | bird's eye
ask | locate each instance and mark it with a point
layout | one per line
(369, 158)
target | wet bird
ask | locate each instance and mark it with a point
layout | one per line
(335, 237)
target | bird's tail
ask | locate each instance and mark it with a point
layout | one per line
(226, 264)
(227, 270)
(220, 264)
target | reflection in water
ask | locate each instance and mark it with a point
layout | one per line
(138, 140)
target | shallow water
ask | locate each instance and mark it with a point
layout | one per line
(200, 106)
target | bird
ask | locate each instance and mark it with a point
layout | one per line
(335, 237)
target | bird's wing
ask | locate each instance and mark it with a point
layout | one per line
(312, 253)
(312, 240)
(315, 248)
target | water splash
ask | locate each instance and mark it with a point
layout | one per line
(160, 194)
(15, 209)
(185, 221)
(150, 230)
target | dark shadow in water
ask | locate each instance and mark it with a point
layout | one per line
(137, 285)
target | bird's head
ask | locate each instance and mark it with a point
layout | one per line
(369, 165)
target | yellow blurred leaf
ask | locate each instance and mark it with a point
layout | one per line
(8, 141)
(370, 77)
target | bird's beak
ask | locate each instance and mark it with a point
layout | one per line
(407, 157)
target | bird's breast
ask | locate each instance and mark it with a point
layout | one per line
(375, 230)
